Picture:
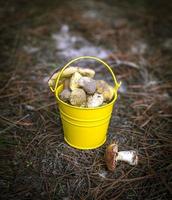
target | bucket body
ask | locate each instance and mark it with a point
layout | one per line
(84, 128)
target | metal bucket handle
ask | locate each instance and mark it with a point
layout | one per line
(117, 85)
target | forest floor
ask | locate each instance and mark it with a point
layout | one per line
(38, 37)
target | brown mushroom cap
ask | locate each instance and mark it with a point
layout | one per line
(65, 95)
(88, 84)
(78, 97)
(111, 155)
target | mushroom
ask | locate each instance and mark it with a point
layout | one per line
(78, 97)
(112, 156)
(86, 72)
(105, 89)
(52, 80)
(88, 84)
(95, 100)
(66, 83)
(101, 85)
(74, 80)
(69, 72)
(108, 93)
(65, 95)
(66, 73)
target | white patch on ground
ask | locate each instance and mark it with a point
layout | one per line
(122, 88)
(71, 46)
(30, 49)
(167, 45)
(93, 14)
(45, 79)
(166, 96)
(29, 107)
(151, 83)
(103, 174)
(139, 48)
(66, 198)
(143, 62)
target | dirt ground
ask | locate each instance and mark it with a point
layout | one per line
(38, 37)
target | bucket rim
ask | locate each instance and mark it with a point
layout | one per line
(83, 108)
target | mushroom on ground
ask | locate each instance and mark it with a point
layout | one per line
(88, 84)
(112, 156)
(78, 97)
(74, 80)
(86, 72)
(95, 100)
(105, 89)
(65, 95)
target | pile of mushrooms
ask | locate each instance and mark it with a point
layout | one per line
(80, 89)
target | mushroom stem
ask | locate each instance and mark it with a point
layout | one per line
(128, 156)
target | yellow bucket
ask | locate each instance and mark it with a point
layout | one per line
(85, 128)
